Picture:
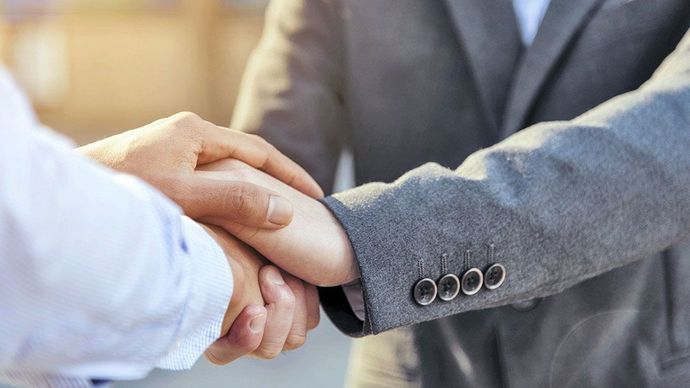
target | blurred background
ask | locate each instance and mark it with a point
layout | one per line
(93, 68)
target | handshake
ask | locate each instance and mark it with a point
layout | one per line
(263, 211)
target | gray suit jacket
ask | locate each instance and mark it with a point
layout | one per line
(587, 215)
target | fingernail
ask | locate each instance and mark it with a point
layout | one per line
(275, 277)
(257, 324)
(279, 210)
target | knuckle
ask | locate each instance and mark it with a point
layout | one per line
(186, 122)
(187, 116)
(213, 359)
(269, 351)
(250, 347)
(258, 139)
(246, 344)
(265, 146)
(314, 322)
(295, 341)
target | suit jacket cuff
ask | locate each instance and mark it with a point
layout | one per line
(393, 253)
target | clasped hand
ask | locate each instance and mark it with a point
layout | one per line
(261, 208)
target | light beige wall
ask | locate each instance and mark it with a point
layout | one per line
(102, 72)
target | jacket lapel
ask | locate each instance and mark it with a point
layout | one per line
(488, 33)
(563, 20)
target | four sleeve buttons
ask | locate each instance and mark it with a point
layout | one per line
(425, 291)
(449, 285)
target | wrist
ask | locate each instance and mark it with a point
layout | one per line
(345, 251)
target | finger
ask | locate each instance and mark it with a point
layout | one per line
(298, 331)
(240, 202)
(313, 310)
(243, 338)
(222, 143)
(280, 304)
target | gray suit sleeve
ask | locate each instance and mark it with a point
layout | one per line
(291, 90)
(560, 201)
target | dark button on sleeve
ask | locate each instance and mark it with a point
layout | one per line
(494, 276)
(425, 291)
(448, 287)
(472, 281)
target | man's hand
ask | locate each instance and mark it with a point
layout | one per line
(166, 153)
(314, 247)
(270, 311)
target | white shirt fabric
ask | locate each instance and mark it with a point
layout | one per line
(529, 15)
(101, 277)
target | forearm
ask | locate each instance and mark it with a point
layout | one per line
(101, 263)
(561, 202)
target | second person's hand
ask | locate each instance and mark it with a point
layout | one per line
(166, 153)
(314, 247)
(270, 311)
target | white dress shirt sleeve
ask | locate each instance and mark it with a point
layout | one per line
(355, 298)
(100, 275)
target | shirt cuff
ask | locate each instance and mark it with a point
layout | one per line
(355, 297)
(211, 288)
(210, 283)
(46, 380)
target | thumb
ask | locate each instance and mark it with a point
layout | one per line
(244, 337)
(239, 202)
